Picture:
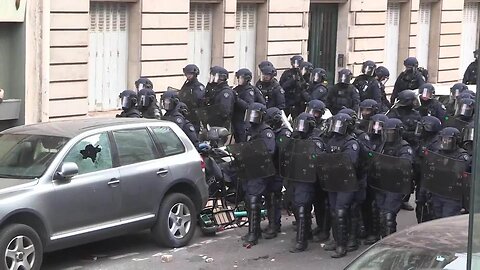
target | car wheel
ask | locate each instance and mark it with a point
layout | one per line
(21, 248)
(176, 221)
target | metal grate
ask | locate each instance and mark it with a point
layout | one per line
(200, 17)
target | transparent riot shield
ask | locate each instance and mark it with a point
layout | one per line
(298, 160)
(443, 175)
(337, 173)
(389, 173)
(252, 160)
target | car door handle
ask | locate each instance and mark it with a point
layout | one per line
(113, 182)
(162, 172)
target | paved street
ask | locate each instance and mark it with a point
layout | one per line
(138, 251)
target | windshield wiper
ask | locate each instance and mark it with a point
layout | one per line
(15, 176)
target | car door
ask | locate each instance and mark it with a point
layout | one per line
(91, 199)
(142, 173)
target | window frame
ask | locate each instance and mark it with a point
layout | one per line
(115, 152)
(159, 144)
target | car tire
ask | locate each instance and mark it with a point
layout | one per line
(14, 235)
(173, 215)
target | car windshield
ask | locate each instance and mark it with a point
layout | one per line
(382, 257)
(27, 156)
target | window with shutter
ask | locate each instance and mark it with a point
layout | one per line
(392, 39)
(423, 37)
(470, 34)
(200, 38)
(246, 28)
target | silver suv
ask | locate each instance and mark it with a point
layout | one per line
(71, 182)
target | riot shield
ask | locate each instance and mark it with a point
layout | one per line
(443, 175)
(252, 160)
(389, 173)
(298, 160)
(337, 173)
(467, 182)
(456, 123)
(212, 115)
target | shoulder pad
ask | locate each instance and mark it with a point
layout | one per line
(226, 95)
(251, 92)
(268, 133)
(178, 120)
(355, 146)
(191, 128)
(288, 133)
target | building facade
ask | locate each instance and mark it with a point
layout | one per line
(72, 58)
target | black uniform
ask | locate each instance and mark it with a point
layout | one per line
(273, 93)
(407, 80)
(293, 83)
(433, 107)
(194, 98)
(315, 91)
(245, 97)
(470, 76)
(177, 117)
(409, 117)
(342, 96)
(223, 99)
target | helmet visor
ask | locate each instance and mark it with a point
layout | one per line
(447, 143)
(338, 126)
(375, 127)
(419, 129)
(468, 134)
(344, 78)
(365, 113)
(144, 101)
(240, 80)
(464, 110)
(391, 135)
(368, 70)
(140, 86)
(266, 77)
(125, 103)
(168, 104)
(316, 113)
(301, 125)
(296, 63)
(304, 71)
(425, 94)
(253, 116)
(316, 77)
(214, 78)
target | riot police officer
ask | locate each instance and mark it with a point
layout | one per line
(255, 188)
(411, 78)
(343, 94)
(175, 112)
(455, 91)
(464, 113)
(271, 89)
(129, 102)
(245, 96)
(405, 110)
(274, 119)
(292, 82)
(370, 212)
(143, 83)
(303, 192)
(381, 77)
(430, 105)
(389, 203)
(470, 76)
(341, 141)
(367, 109)
(427, 130)
(220, 98)
(449, 138)
(366, 84)
(148, 104)
(317, 108)
(317, 88)
(192, 93)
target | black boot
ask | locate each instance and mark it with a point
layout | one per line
(322, 232)
(332, 243)
(342, 233)
(271, 231)
(391, 223)
(253, 222)
(382, 224)
(300, 241)
(353, 224)
(374, 232)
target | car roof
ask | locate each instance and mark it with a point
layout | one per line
(446, 234)
(72, 128)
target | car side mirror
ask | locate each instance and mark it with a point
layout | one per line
(67, 171)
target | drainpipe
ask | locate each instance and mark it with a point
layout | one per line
(45, 62)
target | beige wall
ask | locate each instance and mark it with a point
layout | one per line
(159, 45)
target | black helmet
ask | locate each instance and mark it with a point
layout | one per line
(350, 112)
(449, 138)
(410, 62)
(143, 83)
(341, 123)
(465, 107)
(182, 108)
(169, 100)
(146, 97)
(318, 75)
(244, 76)
(316, 108)
(304, 123)
(128, 99)
(408, 98)
(393, 130)
(255, 113)
(344, 76)
(426, 91)
(367, 109)
(268, 73)
(296, 61)
(457, 89)
(265, 63)
(191, 69)
(429, 124)
(368, 68)
(273, 117)
(382, 74)
(476, 54)
(218, 75)
(376, 124)
(306, 68)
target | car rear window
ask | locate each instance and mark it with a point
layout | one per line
(134, 145)
(169, 141)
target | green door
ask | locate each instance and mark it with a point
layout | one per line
(322, 39)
